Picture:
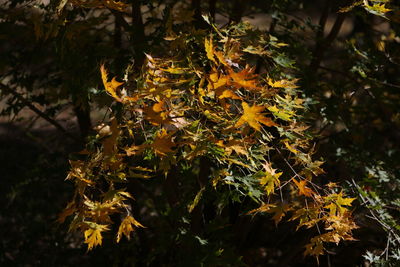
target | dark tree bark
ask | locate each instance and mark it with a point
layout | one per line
(138, 35)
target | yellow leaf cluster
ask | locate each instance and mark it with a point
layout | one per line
(182, 110)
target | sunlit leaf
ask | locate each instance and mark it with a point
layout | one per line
(252, 115)
(127, 226)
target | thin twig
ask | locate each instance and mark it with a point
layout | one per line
(37, 111)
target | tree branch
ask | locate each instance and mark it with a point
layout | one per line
(212, 8)
(121, 21)
(137, 33)
(37, 111)
(323, 43)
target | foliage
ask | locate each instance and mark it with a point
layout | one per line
(211, 126)
(208, 106)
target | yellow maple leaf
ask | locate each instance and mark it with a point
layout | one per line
(336, 203)
(221, 58)
(307, 217)
(112, 86)
(291, 148)
(270, 182)
(303, 189)
(271, 178)
(116, 5)
(236, 146)
(208, 44)
(281, 113)
(252, 115)
(226, 93)
(279, 212)
(377, 8)
(283, 84)
(263, 208)
(93, 235)
(127, 226)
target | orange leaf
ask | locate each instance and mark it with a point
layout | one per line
(245, 78)
(111, 87)
(303, 189)
(219, 83)
(163, 143)
(252, 115)
(221, 58)
(68, 211)
(155, 114)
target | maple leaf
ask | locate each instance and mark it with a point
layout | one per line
(219, 83)
(244, 79)
(271, 179)
(208, 44)
(283, 84)
(278, 211)
(134, 150)
(163, 143)
(111, 87)
(221, 58)
(336, 203)
(68, 211)
(315, 247)
(377, 8)
(291, 148)
(256, 50)
(93, 235)
(331, 185)
(127, 226)
(307, 217)
(117, 5)
(281, 113)
(110, 142)
(303, 189)
(156, 114)
(78, 172)
(263, 208)
(236, 146)
(101, 211)
(252, 115)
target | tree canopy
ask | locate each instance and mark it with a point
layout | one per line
(218, 133)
